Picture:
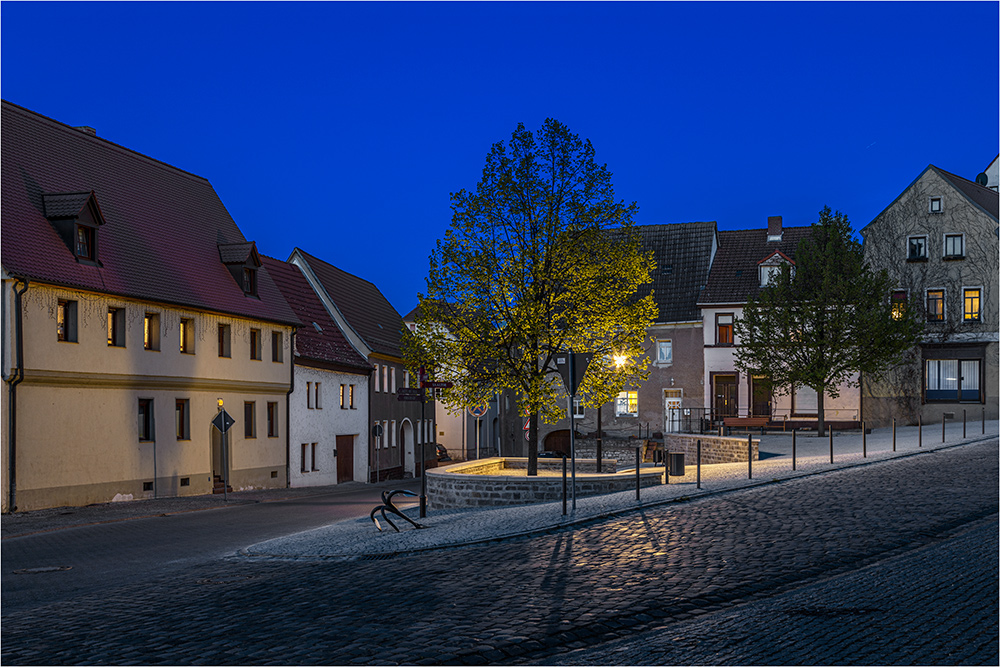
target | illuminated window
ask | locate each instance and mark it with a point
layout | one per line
(935, 305)
(66, 321)
(351, 395)
(971, 309)
(627, 404)
(343, 397)
(116, 327)
(724, 329)
(898, 304)
(151, 331)
(187, 336)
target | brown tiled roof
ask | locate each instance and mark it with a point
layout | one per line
(364, 307)
(65, 204)
(325, 343)
(235, 253)
(682, 252)
(984, 198)
(734, 277)
(163, 225)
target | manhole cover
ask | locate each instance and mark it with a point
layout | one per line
(42, 570)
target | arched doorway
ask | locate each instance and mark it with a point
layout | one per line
(406, 442)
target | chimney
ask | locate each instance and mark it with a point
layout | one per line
(86, 129)
(774, 228)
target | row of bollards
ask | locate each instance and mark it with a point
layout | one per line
(864, 448)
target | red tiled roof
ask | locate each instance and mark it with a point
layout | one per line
(734, 277)
(327, 343)
(163, 225)
(364, 307)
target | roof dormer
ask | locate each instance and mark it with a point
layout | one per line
(76, 217)
(243, 262)
(770, 267)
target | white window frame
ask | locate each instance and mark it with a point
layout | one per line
(377, 371)
(926, 246)
(944, 244)
(626, 396)
(670, 346)
(930, 204)
(578, 410)
(392, 375)
(973, 287)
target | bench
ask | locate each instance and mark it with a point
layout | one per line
(746, 422)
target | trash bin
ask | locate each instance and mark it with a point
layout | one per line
(675, 464)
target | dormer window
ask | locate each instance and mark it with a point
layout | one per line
(243, 262)
(769, 268)
(250, 281)
(85, 242)
(76, 218)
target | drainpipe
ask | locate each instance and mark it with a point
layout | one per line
(17, 375)
(288, 413)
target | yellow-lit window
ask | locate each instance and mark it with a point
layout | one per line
(971, 305)
(898, 304)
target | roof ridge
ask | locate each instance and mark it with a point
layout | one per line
(952, 175)
(84, 135)
(334, 266)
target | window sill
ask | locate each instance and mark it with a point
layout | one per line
(952, 258)
(190, 354)
(916, 259)
(75, 342)
(150, 349)
(183, 439)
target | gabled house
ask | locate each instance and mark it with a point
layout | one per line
(373, 327)
(938, 240)
(671, 398)
(745, 262)
(328, 405)
(124, 325)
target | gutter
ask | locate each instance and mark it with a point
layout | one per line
(15, 379)
(288, 413)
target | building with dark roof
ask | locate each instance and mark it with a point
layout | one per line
(132, 303)
(328, 405)
(938, 240)
(745, 261)
(375, 330)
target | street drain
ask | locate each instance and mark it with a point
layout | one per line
(43, 570)
(227, 580)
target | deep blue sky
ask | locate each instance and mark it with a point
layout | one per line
(342, 128)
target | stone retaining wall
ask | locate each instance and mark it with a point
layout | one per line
(454, 486)
(713, 448)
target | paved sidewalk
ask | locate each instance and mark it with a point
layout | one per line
(454, 527)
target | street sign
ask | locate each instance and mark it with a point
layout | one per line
(437, 384)
(409, 391)
(377, 430)
(223, 421)
(408, 397)
(572, 367)
(527, 426)
(479, 410)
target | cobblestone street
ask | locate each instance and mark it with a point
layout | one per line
(889, 563)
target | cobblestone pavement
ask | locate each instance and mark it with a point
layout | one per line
(534, 599)
(933, 605)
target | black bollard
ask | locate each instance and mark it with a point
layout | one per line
(944, 419)
(564, 484)
(638, 455)
(984, 421)
(963, 424)
(699, 464)
(864, 441)
(749, 456)
(893, 434)
(920, 432)
(831, 446)
(794, 431)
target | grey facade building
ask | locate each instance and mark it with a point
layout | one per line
(938, 240)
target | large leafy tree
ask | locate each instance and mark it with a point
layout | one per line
(539, 259)
(825, 320)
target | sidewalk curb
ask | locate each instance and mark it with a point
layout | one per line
(572, 523)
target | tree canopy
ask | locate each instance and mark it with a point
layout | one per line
(539, 259)
(826, 319)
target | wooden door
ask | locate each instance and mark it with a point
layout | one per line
(725, 396)
(760, 404)
(345, 458)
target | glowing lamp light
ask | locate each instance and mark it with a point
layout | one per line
(620, 360)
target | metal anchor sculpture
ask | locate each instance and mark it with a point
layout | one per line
(387, 505)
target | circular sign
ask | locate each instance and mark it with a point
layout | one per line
(479, 410)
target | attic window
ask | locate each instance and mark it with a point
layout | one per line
(249, 281)
(935, 205)
(85, 242)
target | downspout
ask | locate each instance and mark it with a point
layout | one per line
(15, 379)
(371, 432)
(288, 413)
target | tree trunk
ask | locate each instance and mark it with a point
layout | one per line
(821, 425)
(533, 444)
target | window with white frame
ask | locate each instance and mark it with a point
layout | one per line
(916, 248)
(954, 246)
(952, 379)
(664, 352)
(577, 408)
(376, 387)
(392, 375)
(627, 404)
(935, 205)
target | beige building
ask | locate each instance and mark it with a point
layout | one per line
(132, 305)
(938, 240)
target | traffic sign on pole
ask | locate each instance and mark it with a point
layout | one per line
(479, 410)
(437, 384)
(223, 421)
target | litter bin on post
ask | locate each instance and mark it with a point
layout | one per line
(675, 464)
